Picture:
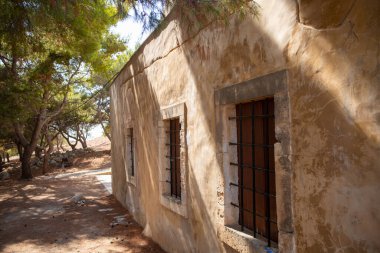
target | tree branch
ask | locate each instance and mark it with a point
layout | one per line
(20, 134)
(4, 59)
(57, 110)
(64, 101)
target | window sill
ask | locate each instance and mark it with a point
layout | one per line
(242, 242)
(176, 205)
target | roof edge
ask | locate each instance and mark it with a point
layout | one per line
(145, 42)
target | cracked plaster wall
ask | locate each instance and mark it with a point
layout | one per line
(331, 50)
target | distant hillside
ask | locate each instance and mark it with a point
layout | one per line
(99, 143)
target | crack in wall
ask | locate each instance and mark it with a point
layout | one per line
(337, 26)
(167, 54)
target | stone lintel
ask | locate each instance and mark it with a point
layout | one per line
(260, 87)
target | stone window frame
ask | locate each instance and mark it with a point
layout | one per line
(271, 85)
(129, 178)
(176, 205)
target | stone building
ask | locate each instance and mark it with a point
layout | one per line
(259, 135)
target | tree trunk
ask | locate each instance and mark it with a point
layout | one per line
(38, 152)
(83, 142)
(19, 150)
(72, 146)
(26, 170)
(42, 119)
(46, 162)
(82, 138)
(67, 138)
(105, 131)
(47, 153)
(29, 147)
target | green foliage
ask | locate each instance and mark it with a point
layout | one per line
(48, 52)
(101, 104)
(54, 54)
(41, 41)
(151, 12)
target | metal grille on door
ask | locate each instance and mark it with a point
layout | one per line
(256, 169)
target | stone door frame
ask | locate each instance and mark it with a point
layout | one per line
(271, 85)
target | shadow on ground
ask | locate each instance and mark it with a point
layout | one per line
(67, 214)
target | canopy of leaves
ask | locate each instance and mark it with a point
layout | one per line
(48, 50)
(45, 43)
(151, 12)
(57, 52)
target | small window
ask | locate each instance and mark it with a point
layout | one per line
(174, 158)
(256, 169)
(131, 148)
(130, 156)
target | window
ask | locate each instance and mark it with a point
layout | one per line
(130, 156)
(255, 193)
(131, 151)
(256, 169)
(174, 158)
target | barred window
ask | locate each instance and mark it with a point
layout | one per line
(131, 151)
(256, 169)
(130, 155)
(174, 157)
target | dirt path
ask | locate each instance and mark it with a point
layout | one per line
(68, 212)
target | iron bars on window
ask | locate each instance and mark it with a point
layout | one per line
(132, 153)
(174, 157)
(255, 154)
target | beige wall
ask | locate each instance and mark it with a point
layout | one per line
(331, 52)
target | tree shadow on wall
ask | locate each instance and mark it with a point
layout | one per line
(192, 63)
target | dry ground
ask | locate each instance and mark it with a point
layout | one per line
(68, 211)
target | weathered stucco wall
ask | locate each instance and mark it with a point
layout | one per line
(331, 53)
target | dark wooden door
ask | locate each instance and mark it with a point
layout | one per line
(255, 149)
